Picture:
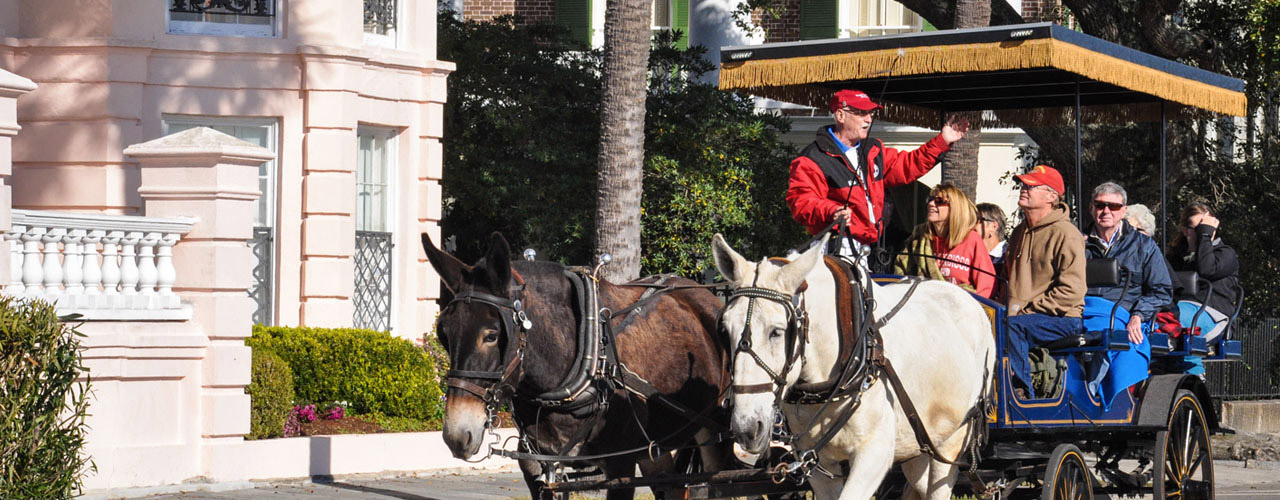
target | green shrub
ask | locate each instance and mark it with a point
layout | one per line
(271, 393)
(42, 403)
(372, 371)
(403, 424)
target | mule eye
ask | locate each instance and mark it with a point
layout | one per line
(491, 336)
(777, 332)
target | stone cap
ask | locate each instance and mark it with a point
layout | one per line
(199, 142)
(13, 85)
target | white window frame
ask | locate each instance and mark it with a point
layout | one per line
(850, 26)
(390, 40)
(271, 30)
(392, 137)
(671, 15)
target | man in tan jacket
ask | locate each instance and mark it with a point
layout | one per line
(1045, 263)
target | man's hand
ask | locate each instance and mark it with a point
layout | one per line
(955, 129)
(1135, 329)
(843, 212)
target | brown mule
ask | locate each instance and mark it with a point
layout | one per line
(514, 328)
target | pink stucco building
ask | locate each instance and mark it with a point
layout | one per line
(302, 205)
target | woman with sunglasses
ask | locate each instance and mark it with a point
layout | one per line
(948, 246)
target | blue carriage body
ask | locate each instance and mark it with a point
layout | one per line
(1075, 406)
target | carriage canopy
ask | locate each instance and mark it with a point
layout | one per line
(1017, 67)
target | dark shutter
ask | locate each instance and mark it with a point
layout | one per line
(575, 15)
(819, 19)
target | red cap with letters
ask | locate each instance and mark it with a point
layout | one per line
(1044, 175)
(855, 99)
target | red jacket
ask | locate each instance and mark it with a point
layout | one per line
(820, 178)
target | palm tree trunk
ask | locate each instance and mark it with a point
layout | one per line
(620, 178)
(961, 164)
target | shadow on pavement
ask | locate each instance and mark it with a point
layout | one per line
(374, 491)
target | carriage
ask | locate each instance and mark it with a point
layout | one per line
(1150, 435)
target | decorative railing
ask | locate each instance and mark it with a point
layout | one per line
(105, 267)
(258, 8)
(263, 275)
(373, 280)
(380, 16)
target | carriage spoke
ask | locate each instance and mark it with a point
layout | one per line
(1186, 444)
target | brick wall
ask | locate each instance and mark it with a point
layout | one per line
(781, 29)
(1034, 10)
(531, 10)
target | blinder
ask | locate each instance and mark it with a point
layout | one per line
(514, 325)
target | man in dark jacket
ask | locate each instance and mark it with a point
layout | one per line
(843, 173)
(1150, 287)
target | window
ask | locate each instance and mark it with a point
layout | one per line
(380, 21)
(373, 273)
(223, 17)
(878, 17)
(661, 17)
(260, 132)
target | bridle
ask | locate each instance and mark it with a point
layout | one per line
(514, 326)
(797, 334)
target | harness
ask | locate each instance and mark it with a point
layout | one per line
(594, 376)
(860, 364)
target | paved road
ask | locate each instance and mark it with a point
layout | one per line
(1258, 481)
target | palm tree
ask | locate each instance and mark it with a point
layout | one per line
(961, 164)
(621, 162)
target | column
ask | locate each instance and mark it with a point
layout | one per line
(212, 177)
(328, 191)
(11, 86)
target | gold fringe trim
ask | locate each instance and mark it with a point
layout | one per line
(792, 79)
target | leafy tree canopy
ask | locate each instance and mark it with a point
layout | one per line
(523, 128)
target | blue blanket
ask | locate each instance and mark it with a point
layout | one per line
(1118, 370)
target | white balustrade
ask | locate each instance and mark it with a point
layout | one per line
(106, 267)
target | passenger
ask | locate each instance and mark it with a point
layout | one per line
(993, 226)
(843, 174)
(1141, 218)
(1045, 264)
(937, 252)
(1150, 288)
(1202, 251)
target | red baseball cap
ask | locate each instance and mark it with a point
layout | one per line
(1044, 175)
(855, 99)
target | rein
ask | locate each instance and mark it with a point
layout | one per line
(797, 333)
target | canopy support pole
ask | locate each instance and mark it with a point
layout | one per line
(1164, 182)
(1079, 165)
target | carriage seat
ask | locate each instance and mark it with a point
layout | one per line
(1098, 272)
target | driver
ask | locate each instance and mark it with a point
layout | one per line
(843, 173)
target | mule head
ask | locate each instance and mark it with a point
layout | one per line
(763, 336)
(474, 334)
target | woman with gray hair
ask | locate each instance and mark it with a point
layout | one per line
(1141, 218)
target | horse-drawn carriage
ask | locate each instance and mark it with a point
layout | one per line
(869, 371)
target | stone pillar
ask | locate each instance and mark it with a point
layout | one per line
(11, 86)
(213, 177)
(328, 190)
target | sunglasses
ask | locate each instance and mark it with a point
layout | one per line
(858, 112)
(938, 200)
(1114, 207)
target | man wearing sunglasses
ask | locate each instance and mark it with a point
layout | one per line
(842, 174)
(1045, 263)
(1150, 287)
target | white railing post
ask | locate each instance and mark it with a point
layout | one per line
(166, 274)
(92, 269)
(73, 266)
(129, 263)
(14, 237)
(32, 271)
(111, 266)
(52, 264)
(147, 275)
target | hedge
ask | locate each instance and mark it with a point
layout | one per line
(372, 372)
(271, 393)
(43, 389)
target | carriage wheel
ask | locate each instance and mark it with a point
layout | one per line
(1183, 452)
(1067, 477)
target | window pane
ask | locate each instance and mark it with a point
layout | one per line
(661, 14)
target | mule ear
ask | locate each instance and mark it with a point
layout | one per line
(497, 263)
(451, 270)
(731, 265)
(794, 273)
